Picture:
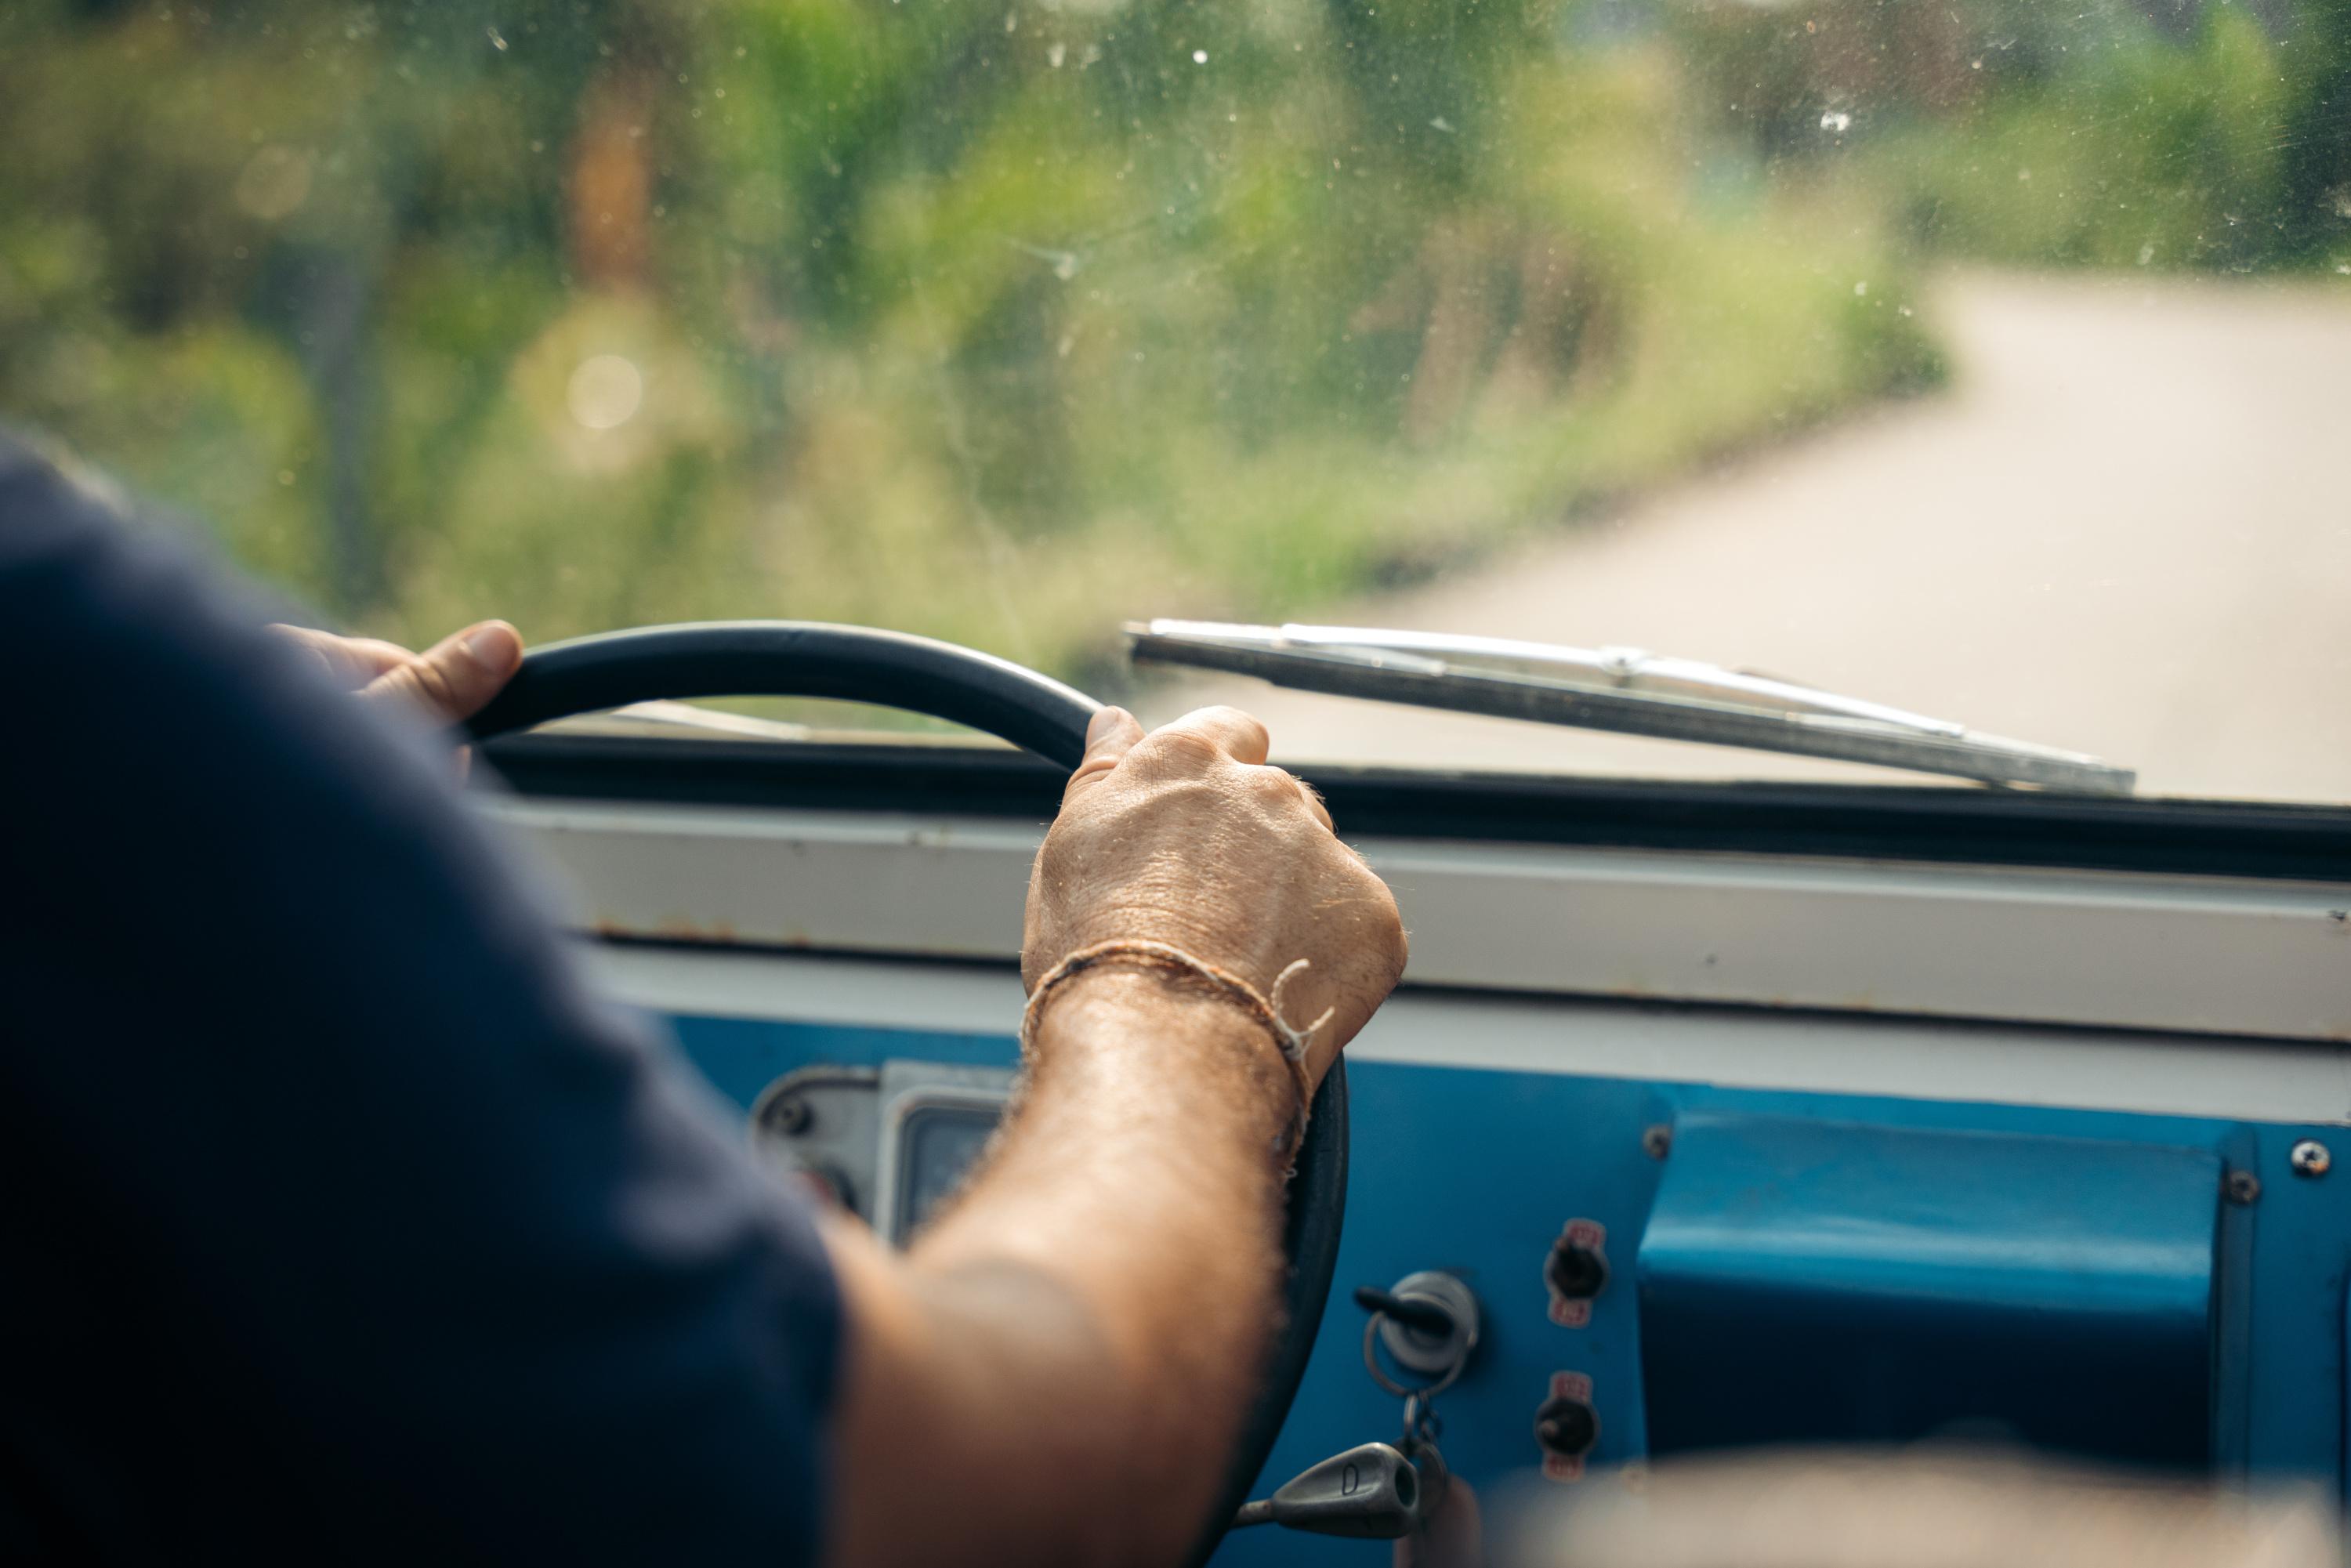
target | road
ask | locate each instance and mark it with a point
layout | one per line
(2124, 529)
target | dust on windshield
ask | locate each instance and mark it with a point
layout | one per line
(1978, 356)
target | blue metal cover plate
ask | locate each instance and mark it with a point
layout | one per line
(1804, 1280)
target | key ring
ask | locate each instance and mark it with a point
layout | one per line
(1424, 1393)
(1422, 1427)
(1422, 1424)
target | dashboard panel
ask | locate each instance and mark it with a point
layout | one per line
(1973, 1117)
(2152, 1289)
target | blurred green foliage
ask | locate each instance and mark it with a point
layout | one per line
(1004, 323)
(2117, 133)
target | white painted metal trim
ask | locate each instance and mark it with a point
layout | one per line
(2046, 947)
(2240, 1080)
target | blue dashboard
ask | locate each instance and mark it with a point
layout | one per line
(1778, 1267)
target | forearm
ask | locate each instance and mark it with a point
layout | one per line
(1143, 1176)
(1093, 1311)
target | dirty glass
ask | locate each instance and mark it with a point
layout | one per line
(1981, 357)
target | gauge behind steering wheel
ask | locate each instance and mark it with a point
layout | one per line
(891, 669)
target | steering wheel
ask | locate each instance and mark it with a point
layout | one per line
(891, 669)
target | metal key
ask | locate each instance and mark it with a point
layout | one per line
(1371, 1492)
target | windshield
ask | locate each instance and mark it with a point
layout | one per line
(1978, 357)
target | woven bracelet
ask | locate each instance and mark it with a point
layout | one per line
(1288, 1040)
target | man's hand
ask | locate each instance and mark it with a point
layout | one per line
(447, 683)
(1059, 1366)
(1185, 836)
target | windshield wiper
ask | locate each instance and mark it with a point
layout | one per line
(1622, 689)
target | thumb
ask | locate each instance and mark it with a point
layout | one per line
(1111, 735)
(456, 677)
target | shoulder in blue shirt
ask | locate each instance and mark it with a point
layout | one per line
(341, 1220)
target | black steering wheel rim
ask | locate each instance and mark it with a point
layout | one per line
(893, 669)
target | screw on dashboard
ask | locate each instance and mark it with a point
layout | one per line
(2309, 1159)
(2241, 1188)
(1658, 1141)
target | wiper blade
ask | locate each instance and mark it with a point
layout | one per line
(1622, 689)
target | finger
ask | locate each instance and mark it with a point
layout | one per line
(1109, 738)
(1237, 735)
(351, 661)
(456, 677)
(375, 655)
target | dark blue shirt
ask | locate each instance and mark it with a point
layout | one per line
(336, 1217)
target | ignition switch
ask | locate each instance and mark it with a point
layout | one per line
(1428, 1322)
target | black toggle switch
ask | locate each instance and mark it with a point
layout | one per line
(1567, 1428)
(1575, 1270)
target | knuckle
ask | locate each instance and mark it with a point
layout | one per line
(1221, 729)
(433, 685)
(1226, 716)
(1179, 749)
(1275, 786)
(1092, 767)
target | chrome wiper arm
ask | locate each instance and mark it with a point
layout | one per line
(1620, 689)
(1626, 669)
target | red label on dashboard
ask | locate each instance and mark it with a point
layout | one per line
(1559, 1468)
